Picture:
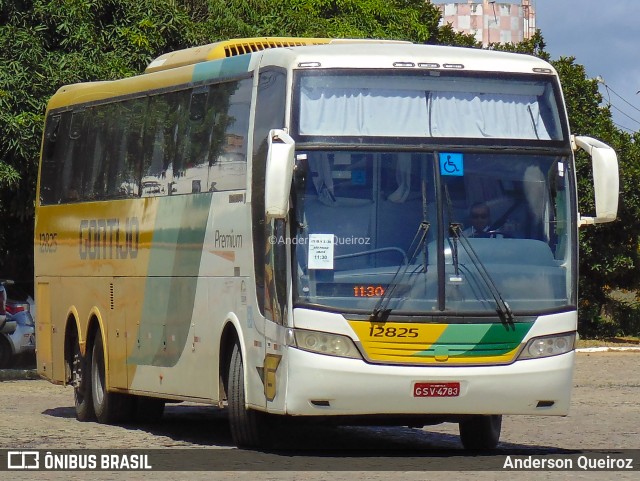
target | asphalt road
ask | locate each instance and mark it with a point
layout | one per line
(605, 415)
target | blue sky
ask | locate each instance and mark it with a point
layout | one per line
(604, 36)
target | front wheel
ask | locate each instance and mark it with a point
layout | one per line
(247, 425)
(481, 432)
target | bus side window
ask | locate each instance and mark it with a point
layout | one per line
(190, 163)
(56, 138)
(95, 150)
(51, 136)
(229, 107)
(124, 171)
(175, 127)
(198, 105)
(72, 165)
(153, 169)
(161, 169)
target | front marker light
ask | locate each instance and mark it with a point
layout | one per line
(323, 343)
(547, 346)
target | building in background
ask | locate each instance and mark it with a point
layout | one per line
(490, 21)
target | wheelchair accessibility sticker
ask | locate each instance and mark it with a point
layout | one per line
(451, 164)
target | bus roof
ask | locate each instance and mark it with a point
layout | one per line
(230, 58)
(241, 46)
(418, 56)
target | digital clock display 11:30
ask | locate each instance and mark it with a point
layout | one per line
(349, 289)
(368, 291)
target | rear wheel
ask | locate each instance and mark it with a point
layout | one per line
(81, 382)
(481, 432)
(109, 407)
(247, 425)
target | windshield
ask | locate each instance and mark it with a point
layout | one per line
(360, 224)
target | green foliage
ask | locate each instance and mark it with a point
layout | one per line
(45, 44)
(414, 20)
(531, 46)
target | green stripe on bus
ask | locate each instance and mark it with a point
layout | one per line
(227, 67)
(478, 340)
(170, 291)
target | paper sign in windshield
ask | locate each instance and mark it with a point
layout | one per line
(320, 251)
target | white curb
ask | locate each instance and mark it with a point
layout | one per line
(610, 349)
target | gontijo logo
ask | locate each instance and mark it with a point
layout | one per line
(109, 238)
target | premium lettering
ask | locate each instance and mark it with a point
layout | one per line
(227, 241)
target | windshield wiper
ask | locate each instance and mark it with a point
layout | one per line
(381, 310)
(502, 307)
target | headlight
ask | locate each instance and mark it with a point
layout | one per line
(546, 346)
(323, 343)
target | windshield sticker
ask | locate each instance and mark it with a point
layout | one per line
(320, 251)
(451, 164)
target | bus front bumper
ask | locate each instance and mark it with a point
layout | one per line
(319, 385)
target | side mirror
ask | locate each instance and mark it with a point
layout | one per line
(605, 179)
(280, 163)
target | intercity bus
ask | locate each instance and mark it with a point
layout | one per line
(284, 227)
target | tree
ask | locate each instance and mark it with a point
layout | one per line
(45, 44)
(413, 20)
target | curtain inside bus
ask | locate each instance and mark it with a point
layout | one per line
(419, 106)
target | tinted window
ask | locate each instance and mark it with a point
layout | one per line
(181, 142)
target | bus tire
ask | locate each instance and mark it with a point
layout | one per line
(81, 382)
(109, 407)
(246, 424)
(481, 432)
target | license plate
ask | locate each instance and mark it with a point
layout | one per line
(436, 389)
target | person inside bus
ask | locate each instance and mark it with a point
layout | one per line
(480, 216)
